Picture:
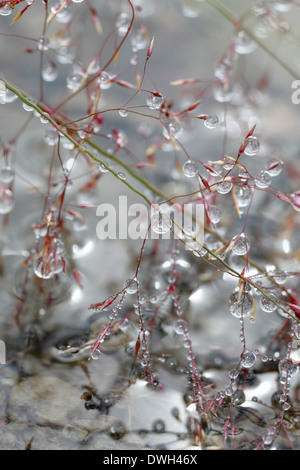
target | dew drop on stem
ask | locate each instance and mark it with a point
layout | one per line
(267, 304)
(241, 245)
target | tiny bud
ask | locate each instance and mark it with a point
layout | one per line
(150, 48)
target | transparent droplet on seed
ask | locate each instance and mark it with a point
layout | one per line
(248, 359)
(295, 201)
(211, 121)
(154, 101)
(240, 306)
(267, 304)
(262, 180)
(104, 80)
(189, 169)
(252, 147)
(274, 167)
(241, 245)
(42, 268)
(224, 187)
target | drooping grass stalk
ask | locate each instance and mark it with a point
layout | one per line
(58, 124)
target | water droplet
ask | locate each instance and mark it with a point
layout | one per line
(295, 201)
(172, 127)
(224, 187)
(105, 80)
(238, 398)
(215, 214)
(191, 8)
(181, 327)
(51, 137)
(234, 373)
(244, 44)
(131, 286)
(74, 81)
(161, 222)
(283, 5)
(62, 16)
(50, 72)
(96, 354)
(43, 44)
(122, 176)
(211, 121)
(242, 307)
(252, 147)
(154, 101)
(78, 224)
(26, 106)
(287, 369)
(103, 168)
(274, 166)
(189, 169)
(262, 180)
(280, 277)
(248, 359)
(122, 24)
(223, 92)
(139, 40)
(243, 195)
(6, 10)
(266, 304)
(42, 268)
(241, 245)
(7, 175)
(7, 200)
(123, 112)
